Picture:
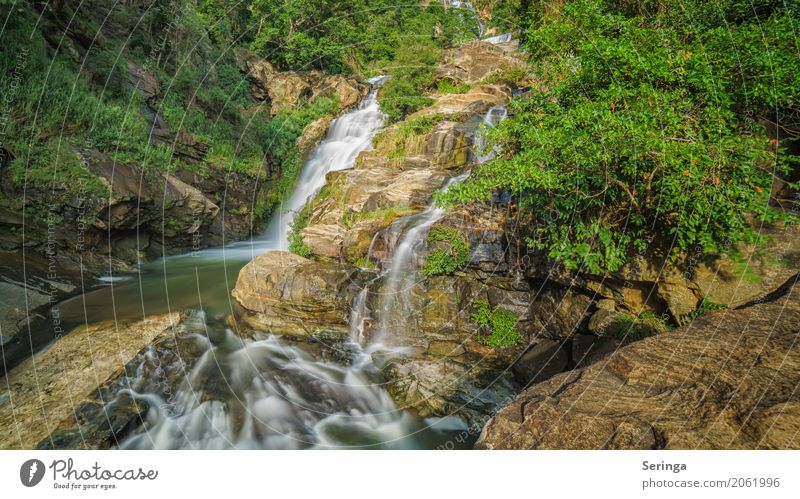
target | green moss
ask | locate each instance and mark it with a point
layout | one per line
(500, 324)
(296, 243)
(633, 328)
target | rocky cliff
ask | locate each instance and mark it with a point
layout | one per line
(727, 380)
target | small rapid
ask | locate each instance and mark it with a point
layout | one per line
(400, 272)
(268, 392)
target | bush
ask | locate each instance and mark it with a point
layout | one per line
(638, 144)
(448, 259)
(500, 324)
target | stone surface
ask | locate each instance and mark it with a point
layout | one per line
(466, 387)
(312, 135)
(728, 380)
(475, 61)
(542, 361)
(283, 293)
(290, 90)
(475, 102)
(41, 392)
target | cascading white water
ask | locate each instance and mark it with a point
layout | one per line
(348, 135)
(270, 393)
(494, 40)
(401, 271)
(458, 4)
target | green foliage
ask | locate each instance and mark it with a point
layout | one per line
(500, 324)
(449, 87)
(413, 74)
(364, 263)
(706, 305)
(451, 252)
(643, 140)
(296, 243)
(633, 328)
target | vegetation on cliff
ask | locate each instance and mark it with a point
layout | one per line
(646, 128)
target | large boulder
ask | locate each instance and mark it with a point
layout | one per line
(41, 392)
(283, 293)
(475, 61)
(468, 387)
(728, 380)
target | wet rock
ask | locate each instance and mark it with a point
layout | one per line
(283, 293)
(312, 134)
(447, 387)
(66, 373)
(727, 381)
(542, 361)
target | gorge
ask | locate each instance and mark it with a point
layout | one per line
(452, 227)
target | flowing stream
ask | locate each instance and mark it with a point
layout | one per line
(401, 271)
(265, 392)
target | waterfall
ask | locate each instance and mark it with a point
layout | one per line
(401, 272)
(270, 393)
(504, 38)
(347, 136)
(466, 6)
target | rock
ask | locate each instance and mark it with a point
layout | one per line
(542, 361)
(475, 61)
(30, 287)
(283, 293)
(475, 102)
(680, 296)
(324, 239)
(449, 145)
(348, 91)
(312, 135)
(588, 349)
(145, 82)
(727, 381)
(558, 314)
(605, 322)
(258, 72)
(43, 396)
(447, 387)
(287, 91)
(290, 90)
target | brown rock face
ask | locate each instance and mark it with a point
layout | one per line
(475, 61)
(727, 380)
(42, 391)
(287, 294)
(290, 89)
